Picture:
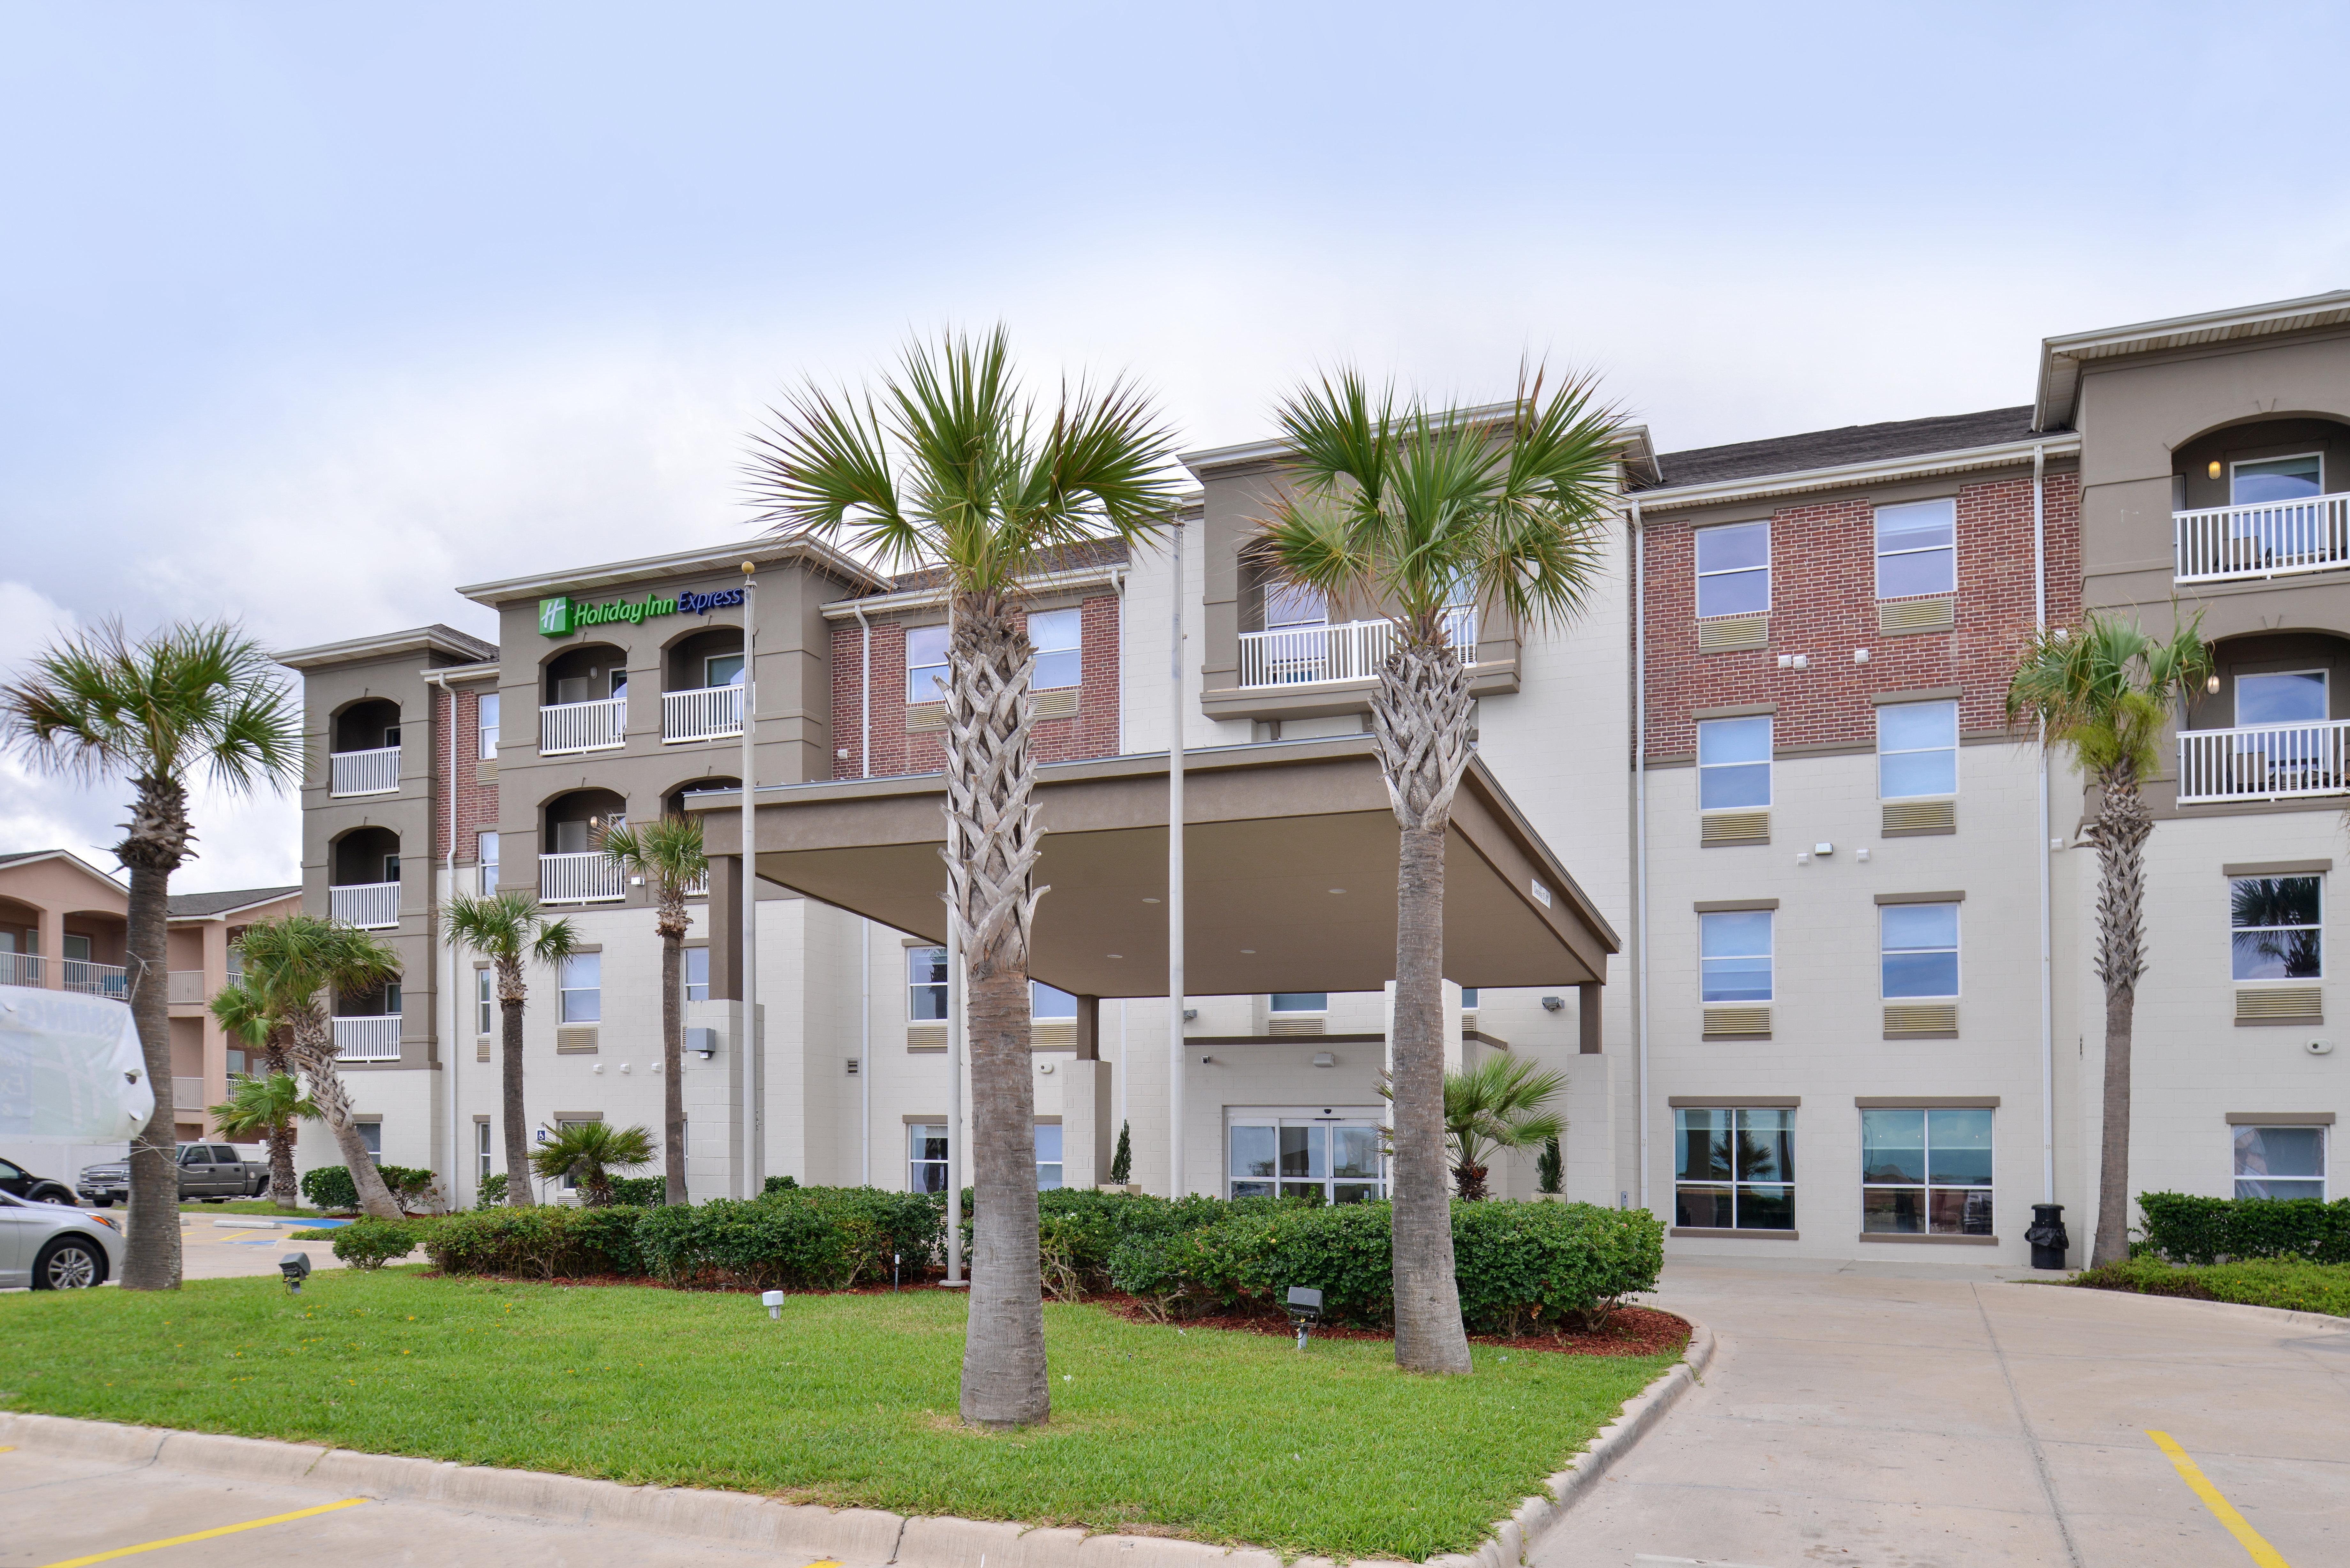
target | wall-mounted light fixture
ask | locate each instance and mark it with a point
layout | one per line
(1553, 1003)
(2214, 470)
(2211, 683)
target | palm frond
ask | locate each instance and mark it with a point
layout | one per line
(2106, 689)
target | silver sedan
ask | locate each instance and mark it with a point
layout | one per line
(53, 1248)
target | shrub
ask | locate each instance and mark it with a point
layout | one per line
(2186, 1229)
(331, 1187)
(779, 1184)
(546, 1242)
(813, 1238)
(2286, 1282)
(494, 1190)
(372, 1243)
(640, 1191)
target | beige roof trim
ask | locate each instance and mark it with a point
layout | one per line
(417, 639)
(1923, 465)
(2061, 358)
(936, 594)
(1639, 450)
(767, 550)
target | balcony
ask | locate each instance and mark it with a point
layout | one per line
(187, 1094)
(2268, 539)
(583, 726)
(187, 985)
(2264, 761)
(708, 713)
(20, 969)
(375, 1039)
(581, 878)
(1351, 651)
(364, 773)
(96, 978)
(370, 906)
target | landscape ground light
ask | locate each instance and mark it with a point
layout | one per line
(1305, 1309)
(295, 1267)
(773, 1302)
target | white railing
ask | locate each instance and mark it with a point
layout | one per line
(367, 1039)
(187, 985)
(365, 772)
(96, 978)
(370, 906)
(702, 715)
(580, 878)
(187, 1094)
(2269, 539)
(583, 726)
(1351, 651)
(20, 969)
(2264, 761)
(699, 888)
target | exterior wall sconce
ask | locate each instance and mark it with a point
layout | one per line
(1553, 1003)
(2211, 683)
(2214, 470)
(1325, 1059)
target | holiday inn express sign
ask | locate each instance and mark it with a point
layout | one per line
(561, 616)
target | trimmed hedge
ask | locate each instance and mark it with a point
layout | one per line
(331, 1187)
(2185, 1229)
(546, 1241)
(372, 1243)
(640, 1192)
(2286, 1282)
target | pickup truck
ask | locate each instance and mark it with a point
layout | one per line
(209, 1172)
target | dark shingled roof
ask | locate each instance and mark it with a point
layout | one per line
(189, 904)
(1834, 449)
(1070, 559)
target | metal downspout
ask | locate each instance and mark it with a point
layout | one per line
(2047, 978)
(864, 698)
(755, 1153)
(1175, 1129)
(458, 1158)
(1640, 821)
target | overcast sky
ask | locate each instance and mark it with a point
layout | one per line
(309, 314)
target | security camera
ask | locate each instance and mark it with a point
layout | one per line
(1553, 1003)
(2320, 1047)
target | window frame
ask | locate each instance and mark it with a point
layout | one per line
(1699, 573)
(1927, 1187)
(482, 1171)
(1884, 752)
(1293, 595)
(1734, 1183)
(370, 1131)
(1767, 762)
(487, 865)
(941, 985)
(1957, 949)
(486, 726)
(1769, 955)
(486, 1002)
(2237, 1179)
(938, 681)
(1877, 541)
(566, 991)
(2236, 696)
(1358, 1121)
(1273, 998)
(2234, 464)
(918, 1160)
(2316, 928)
(1058, 1164)
(741, 668)
(1036, 987)
(687, 985)
(1074, 619)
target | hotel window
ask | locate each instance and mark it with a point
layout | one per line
(1917, 750)
(2276, 928)
(2284, 697)
(1916, 549)
(926, 1158)
(1048, 1156)
(1734, 955)
(486, 1002)
(1918, 950)
(723, 670)
(2280, 1162)
(372, 1135)
(570, 1176)
(1299, 1001)
(583, 988)
(486, 719)
(1323, 1160)
(391, 999)
(1047, 1002)
(926, 664)
(1733, 569)
(926, 984)
(481, 1151)
(1734, 1170)
(1293, 604)
(485, 856)
(1926, 1172)
(1734, 762)
(697, 974)
(1057, 635)
(2276, 479)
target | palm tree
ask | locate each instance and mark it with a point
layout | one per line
(197, 699)
(510, 930)
(952, 467)
(289, 964)
(2103, 689)
(266, 1107)
(667, 854)
(1503, 1103)
(1413, 511)
(588, 1152)
(244, 1012)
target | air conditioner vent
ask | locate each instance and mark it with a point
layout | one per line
(1898, 616)
(1053, 1034)
(1737, 1022)
(926, 716)
(575, 1041)
(1732, 633)
(1286, 1023)
(1915, 818)
(1921, 1019)
(1055, 702)
(2298, 1003)
(1717, 828)
(925, 1037)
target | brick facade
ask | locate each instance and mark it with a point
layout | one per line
(1091, 732)
(1824, 605)
(477, 802)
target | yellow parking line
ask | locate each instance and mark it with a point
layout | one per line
(2221, 1509)
(205, 1535)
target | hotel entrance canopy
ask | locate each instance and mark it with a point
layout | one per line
(1290, 851)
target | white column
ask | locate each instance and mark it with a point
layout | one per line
(1175, 1132)
(755, 1075)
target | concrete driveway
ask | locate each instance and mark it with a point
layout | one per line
(1916, 1417)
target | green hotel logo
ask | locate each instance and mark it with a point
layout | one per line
(563, 616)
(555, 617)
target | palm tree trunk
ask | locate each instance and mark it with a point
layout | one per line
(153, 1228)
(990, 783)
(518, 1126)
(314, 1049)
(2120, 833)
(285, 1192)
(673, 1067)
(1419, 716)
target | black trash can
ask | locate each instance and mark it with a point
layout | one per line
(2047, 1236)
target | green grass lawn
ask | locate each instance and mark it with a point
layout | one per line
(250, 1206)
(1222, 1436)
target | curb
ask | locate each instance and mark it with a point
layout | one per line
(854, 1535)
(2281, 1316)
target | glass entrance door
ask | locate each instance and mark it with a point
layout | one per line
(1321, 1158)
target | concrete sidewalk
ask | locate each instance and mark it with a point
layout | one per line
(1913, 1417)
